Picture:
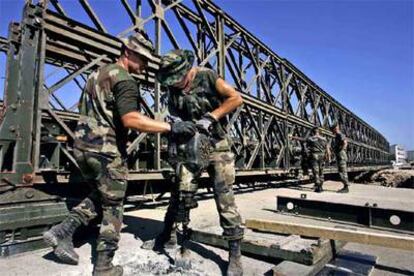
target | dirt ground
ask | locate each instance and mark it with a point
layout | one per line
(144, 223)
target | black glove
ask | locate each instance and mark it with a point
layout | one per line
(184, 128)
(205, 122)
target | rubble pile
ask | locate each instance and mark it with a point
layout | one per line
(394, 178)
(142, 263)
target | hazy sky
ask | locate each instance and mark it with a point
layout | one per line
(360, 52)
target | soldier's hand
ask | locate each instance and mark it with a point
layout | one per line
(206, 122)
(185, 128)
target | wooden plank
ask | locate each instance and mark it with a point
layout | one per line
(292, 248)
(350, 235)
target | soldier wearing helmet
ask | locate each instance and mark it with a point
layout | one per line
(339, 146)
(318, 152)
(108, 107)
(199, 95)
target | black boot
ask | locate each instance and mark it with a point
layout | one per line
(235, 267)
(60, 238)
(104, 266)
(344, 190)
(167, 239)
(318, 188)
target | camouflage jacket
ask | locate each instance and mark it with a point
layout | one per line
(316, 144)
(202, 98)
(99, 127)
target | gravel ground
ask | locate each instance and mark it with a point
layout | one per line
(145, 223)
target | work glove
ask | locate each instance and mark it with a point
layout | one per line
(183, 128)
(206, 122)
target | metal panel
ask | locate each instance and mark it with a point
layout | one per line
(368, 215)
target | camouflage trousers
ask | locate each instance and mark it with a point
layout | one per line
(317, 165)
(108, 180)
(304, 164)
(341, 160)
(222, 173)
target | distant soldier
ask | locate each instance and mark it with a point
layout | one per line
(318, 152)
(300, 158)
(304, 159)
(339, 145)
(200, 95)
(296, 160)
(108, 107)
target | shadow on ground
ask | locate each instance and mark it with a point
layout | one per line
(146, 229)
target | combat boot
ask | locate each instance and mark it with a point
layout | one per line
(235, 267)
(167, 239)
(104, 266)
(318, 189)
(60, 238)
(344, 190)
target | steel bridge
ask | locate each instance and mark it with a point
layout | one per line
(50, 54)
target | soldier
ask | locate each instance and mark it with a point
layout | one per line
(318, 151)
(304, 159)
(339, 145)
(200, 95)
(108, 107)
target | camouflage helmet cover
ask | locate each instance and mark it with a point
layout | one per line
(174, 66)
(140, 44)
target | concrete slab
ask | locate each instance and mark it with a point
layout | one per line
(350, 263)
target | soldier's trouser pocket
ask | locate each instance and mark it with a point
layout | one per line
(342, 159)
(222, 172)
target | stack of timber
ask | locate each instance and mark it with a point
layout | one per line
(345, 261)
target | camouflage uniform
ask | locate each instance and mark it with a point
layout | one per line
(300, 158)
(317, 151)
(341, 157)
(192, 105)
(100, 150)
(305, 159)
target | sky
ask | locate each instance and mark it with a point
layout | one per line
(359, 51)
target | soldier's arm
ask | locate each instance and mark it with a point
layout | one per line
(297, 138)
(232, 99)
(328, 153)
(127, 105)
(135, 120)
(345, 145)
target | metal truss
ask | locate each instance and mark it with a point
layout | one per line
(49, 57)
(50, 54)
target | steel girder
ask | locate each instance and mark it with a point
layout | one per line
(279, 99)
(49, 56)
(367, 214)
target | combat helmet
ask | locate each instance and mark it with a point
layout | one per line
(174, 66)
(140, 44)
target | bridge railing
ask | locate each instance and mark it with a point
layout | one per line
(50, 54)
